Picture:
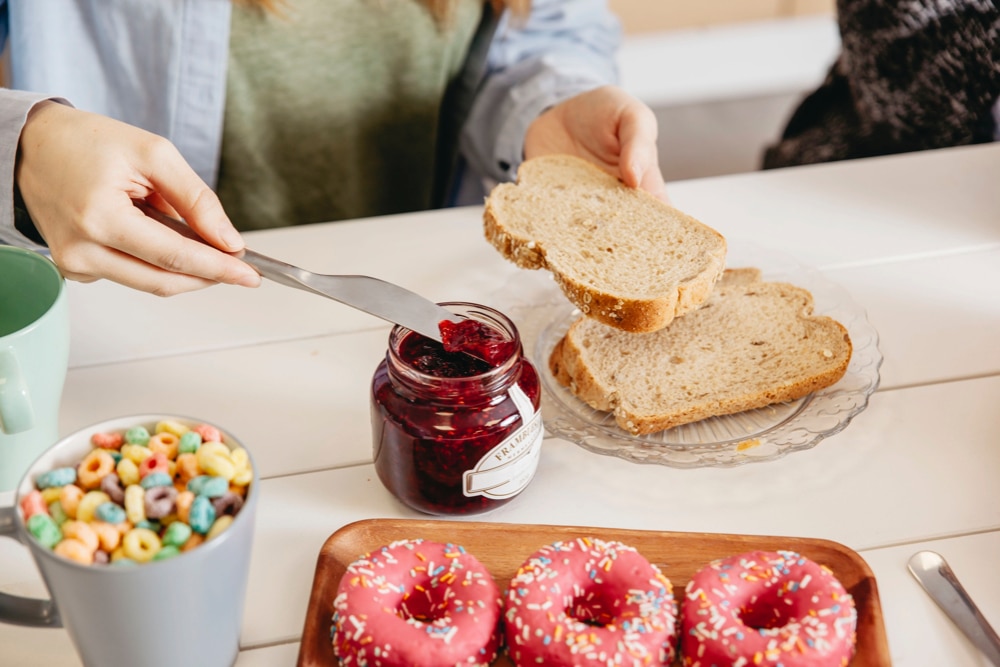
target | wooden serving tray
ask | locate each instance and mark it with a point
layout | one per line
(502, 548)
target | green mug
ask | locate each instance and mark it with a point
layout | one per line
(34, 353)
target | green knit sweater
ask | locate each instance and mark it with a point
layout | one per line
(332, 108)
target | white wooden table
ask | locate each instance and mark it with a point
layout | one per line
(915, 239)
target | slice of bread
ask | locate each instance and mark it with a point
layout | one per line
(750, 345)
(619, 254)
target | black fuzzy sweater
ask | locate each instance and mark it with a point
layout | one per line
(911, 75)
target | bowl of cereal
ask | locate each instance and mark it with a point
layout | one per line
(141, 527)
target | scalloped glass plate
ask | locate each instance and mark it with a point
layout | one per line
(543, 315)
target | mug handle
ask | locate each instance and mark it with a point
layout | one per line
(18, 610)
(16, 414)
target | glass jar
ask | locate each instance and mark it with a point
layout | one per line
(452, 434)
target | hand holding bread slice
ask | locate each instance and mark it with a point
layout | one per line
(619, 254)
(663, 341)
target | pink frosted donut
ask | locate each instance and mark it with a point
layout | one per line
(415, 602)
(588, 601)
(767, 608)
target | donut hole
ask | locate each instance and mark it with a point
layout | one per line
(425, 606)
(767, 612)
(594, 607)
(763, 618)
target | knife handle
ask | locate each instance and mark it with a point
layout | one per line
(273, 269)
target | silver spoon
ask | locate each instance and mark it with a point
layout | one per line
(934, 574)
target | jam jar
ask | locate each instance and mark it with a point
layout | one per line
(456, 427)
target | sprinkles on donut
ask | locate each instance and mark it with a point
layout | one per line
(416, 602)
(589, 601)
(767, 608)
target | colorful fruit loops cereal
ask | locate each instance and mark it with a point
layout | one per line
(138, 496)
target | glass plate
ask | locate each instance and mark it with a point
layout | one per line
(543, 314)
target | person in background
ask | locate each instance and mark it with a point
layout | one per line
(911, 75)
(249, 114)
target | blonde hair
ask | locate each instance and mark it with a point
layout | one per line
(441, 9)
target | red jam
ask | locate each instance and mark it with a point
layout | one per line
(475, 338)
(453, 434)
(431, 357)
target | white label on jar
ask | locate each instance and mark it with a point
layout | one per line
(507, 468)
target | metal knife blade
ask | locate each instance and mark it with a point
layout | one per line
(937, 578)
(372, 295)
(377, 297)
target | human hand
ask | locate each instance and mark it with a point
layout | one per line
(608, 127)
(79, 175)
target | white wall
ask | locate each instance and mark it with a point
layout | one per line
(721, 94)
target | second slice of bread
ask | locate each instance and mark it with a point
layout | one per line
(619, 254)
(750, 345)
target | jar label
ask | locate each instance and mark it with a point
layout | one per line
(507, 468)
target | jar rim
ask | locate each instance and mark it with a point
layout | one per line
(497, 375)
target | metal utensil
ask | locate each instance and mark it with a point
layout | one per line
(937, 578)
(374, 296)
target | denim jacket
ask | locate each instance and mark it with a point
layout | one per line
(161, 65)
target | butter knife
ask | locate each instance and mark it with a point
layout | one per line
(374, 296)
(937, 578)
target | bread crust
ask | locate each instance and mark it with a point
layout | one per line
(614, 309)
(569, 366)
